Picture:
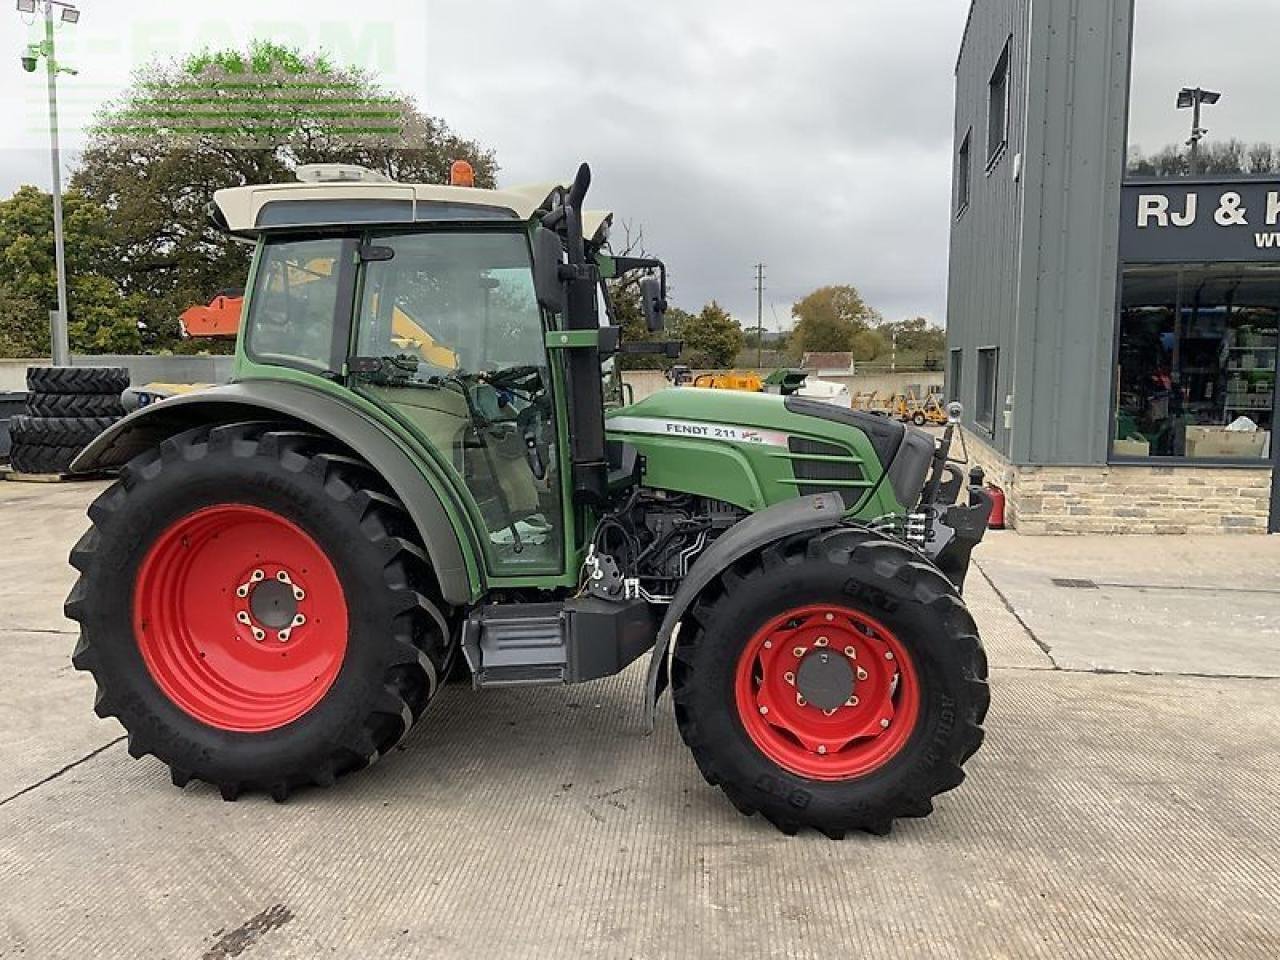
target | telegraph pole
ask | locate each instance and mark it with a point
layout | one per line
(759, 314)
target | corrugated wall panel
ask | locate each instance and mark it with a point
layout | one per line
(1078, 85)
(982, 285)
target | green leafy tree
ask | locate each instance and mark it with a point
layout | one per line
(829, 319)
(184, 129)
(711, 337)
(101, 318)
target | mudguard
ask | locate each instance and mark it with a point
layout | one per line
(803, 514)
(252, 400)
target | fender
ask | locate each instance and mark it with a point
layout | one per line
(152, 424)
(798, 515)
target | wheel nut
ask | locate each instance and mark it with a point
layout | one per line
(789, 677)
(827, 713)
(283, 577)
(259, 634)
(830, 617)
(798, 652)
(884, 722)
(822, 748)
(764, 710)
(851, 653)
(242, 591)
(821, 642)
(801, 701)
(299, 620)
(242, 616)
(888, 654)
(299, 593)
(862, 674)
(283, 635)
(851, 702)
(257, 575)
(768, 644)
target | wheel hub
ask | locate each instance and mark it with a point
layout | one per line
(240, 617)
(272, 604)
(827, 692)
(825, 679)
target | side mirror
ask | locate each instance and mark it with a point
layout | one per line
(655, 308)
(547, 257)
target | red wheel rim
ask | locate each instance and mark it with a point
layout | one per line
(840, 741)
(240, 618)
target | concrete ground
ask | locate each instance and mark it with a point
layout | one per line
(1123, 806)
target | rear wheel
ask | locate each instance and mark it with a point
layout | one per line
(256, 610)
(919, 419)
(836, 683)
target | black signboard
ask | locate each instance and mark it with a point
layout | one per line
(1173, 222)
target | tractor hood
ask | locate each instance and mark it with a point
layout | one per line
(703, 441)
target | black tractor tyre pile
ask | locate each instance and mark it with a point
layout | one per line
(400, 642)
(892, 583)
(66, 409)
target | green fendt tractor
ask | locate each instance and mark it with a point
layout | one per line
(423, 470)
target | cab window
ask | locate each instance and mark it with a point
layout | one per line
(294, 303)
(451, 336)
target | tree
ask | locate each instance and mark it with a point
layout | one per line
(829, 319)
(711, 337)
(225, 118)
(101, 319)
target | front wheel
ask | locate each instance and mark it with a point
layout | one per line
(836, 682)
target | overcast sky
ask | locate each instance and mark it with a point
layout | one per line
(1228, 46)
(814, 136)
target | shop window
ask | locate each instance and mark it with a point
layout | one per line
(964, 171)
(1198, 361)
(955, 369)
(988, 364)
(998, 108)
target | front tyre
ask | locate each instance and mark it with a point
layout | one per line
(255, 609)
(836, 683)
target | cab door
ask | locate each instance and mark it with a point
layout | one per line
(450, 339)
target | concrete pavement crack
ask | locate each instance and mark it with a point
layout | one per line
(57, 773)
(1104, 672)
(1044, 647)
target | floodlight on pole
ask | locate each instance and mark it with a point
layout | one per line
(1193, 98)
(58, 337)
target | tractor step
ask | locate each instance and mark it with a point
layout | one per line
(529, 644)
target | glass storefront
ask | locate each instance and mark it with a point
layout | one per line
(1198, 359)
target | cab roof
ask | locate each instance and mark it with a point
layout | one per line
(252, 209)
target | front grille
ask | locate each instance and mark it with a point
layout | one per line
(817, 474)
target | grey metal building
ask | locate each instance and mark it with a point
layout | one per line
(1112, 316)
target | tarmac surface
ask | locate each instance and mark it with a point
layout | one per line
(1123, 805)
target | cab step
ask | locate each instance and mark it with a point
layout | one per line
(583, 638)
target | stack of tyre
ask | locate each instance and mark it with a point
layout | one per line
(67, 407)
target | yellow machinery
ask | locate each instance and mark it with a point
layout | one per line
(733, 380)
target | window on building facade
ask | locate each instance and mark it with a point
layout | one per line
(955, 369)
(988, 363)
(1226, 47)
(1198, 361)
(998, 108)
(964, 171)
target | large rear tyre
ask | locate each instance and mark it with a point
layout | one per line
(836, 683)
(256, 611)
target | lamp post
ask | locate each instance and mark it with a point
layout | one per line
(1192, 98)
(58, 336)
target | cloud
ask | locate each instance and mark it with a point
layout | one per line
(814, 135)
